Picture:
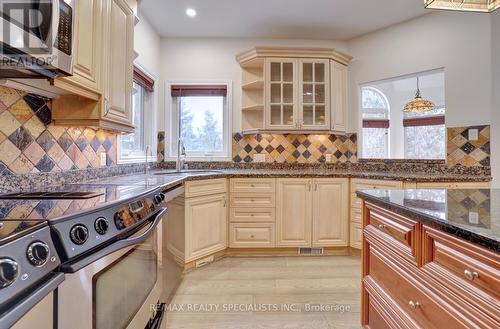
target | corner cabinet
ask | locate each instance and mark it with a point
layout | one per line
(293, 90)
(101, 87)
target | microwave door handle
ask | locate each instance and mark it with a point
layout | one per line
(120, 244)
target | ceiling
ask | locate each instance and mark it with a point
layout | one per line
(300, 19)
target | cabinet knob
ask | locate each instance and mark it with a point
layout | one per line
(382, 226)
(251, 215)
(471, 275)
(413, 304)
(251, 236)
(252, 185)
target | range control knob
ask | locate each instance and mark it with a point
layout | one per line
(101, 225)
(159, 198)
(9, 270)
(38, 253)
(79, 234)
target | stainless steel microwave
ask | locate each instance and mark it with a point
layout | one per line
(36, 38)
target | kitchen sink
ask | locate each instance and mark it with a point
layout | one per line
(173, 172)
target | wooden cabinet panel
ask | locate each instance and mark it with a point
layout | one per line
(338, 95)
(330, 225)
(205, 187)
(206, 225)
(294, 213)
(253, 185)
(253, 200)
(252, 215)
(427, 309)
(119, 62)
(251, 235)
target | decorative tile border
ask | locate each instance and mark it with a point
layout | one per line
(29, 143)
(463, 151)
(292, 148)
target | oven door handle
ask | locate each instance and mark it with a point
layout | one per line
(11, 316)
(120, 244)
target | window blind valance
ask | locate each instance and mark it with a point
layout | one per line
(198, 90)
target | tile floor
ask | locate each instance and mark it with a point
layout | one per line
(222, 295)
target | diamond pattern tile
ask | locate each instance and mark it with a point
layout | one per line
(465, 152)
(29, 143)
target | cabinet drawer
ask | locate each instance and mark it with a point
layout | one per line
(205, 187)
(400, 232)
(252, 215)
(424, 307)
(356, 235)
(251, 235)
(253, 185)
(456, 185)
(356, 216)
(370, 184)
(473, 272)
(253, 200)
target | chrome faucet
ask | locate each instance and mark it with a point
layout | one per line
(148, 151)
(180, 164)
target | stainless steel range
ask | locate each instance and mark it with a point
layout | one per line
(108, 239)
(28, 260)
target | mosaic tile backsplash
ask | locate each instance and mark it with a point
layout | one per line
(29, 143)
(292, 148)
(462, 150)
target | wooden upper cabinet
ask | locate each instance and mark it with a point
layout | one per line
(119, 59)
(86, 80)
(101, 87)
(296, 87)
(294, 212)
(338, 97)
(330, 225)
(314, 94)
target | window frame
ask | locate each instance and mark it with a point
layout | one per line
(425, 121)
(172, 122)
(150, 104)
(386, 111)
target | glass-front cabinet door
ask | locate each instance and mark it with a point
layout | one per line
(314, 90)
(281, 94)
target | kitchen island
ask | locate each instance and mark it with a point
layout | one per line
(431, 258)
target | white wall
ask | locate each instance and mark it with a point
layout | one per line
(147, 44)
(206, 59)
(458, 42)
(495, 120)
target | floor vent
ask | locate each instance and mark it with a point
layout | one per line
(204, 261)
(310, 251)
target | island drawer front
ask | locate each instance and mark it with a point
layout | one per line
(423, 306)
(253, 200)
(252, 185)
(205, 187)
(252, 215)
(252, 235)
(399, 231)
(471, 270)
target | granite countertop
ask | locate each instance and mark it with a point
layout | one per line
(471, 214)
(168, 178)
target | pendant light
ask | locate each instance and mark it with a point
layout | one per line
(485, 6)
(418, 104)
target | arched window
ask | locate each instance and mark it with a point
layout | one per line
(375, 117)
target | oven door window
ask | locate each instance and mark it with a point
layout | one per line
(121, 288)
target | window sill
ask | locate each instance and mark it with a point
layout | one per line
(202, 158)
(131, 160)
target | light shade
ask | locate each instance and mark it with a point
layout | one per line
(486, 6)
(419, 105)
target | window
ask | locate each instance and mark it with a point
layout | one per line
(425, 134)
(202, 120)
(132, 146)
(375, 116)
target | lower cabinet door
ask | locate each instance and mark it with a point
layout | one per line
(294, 213)
(251, 235)
(330, 225)
(206, 225)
